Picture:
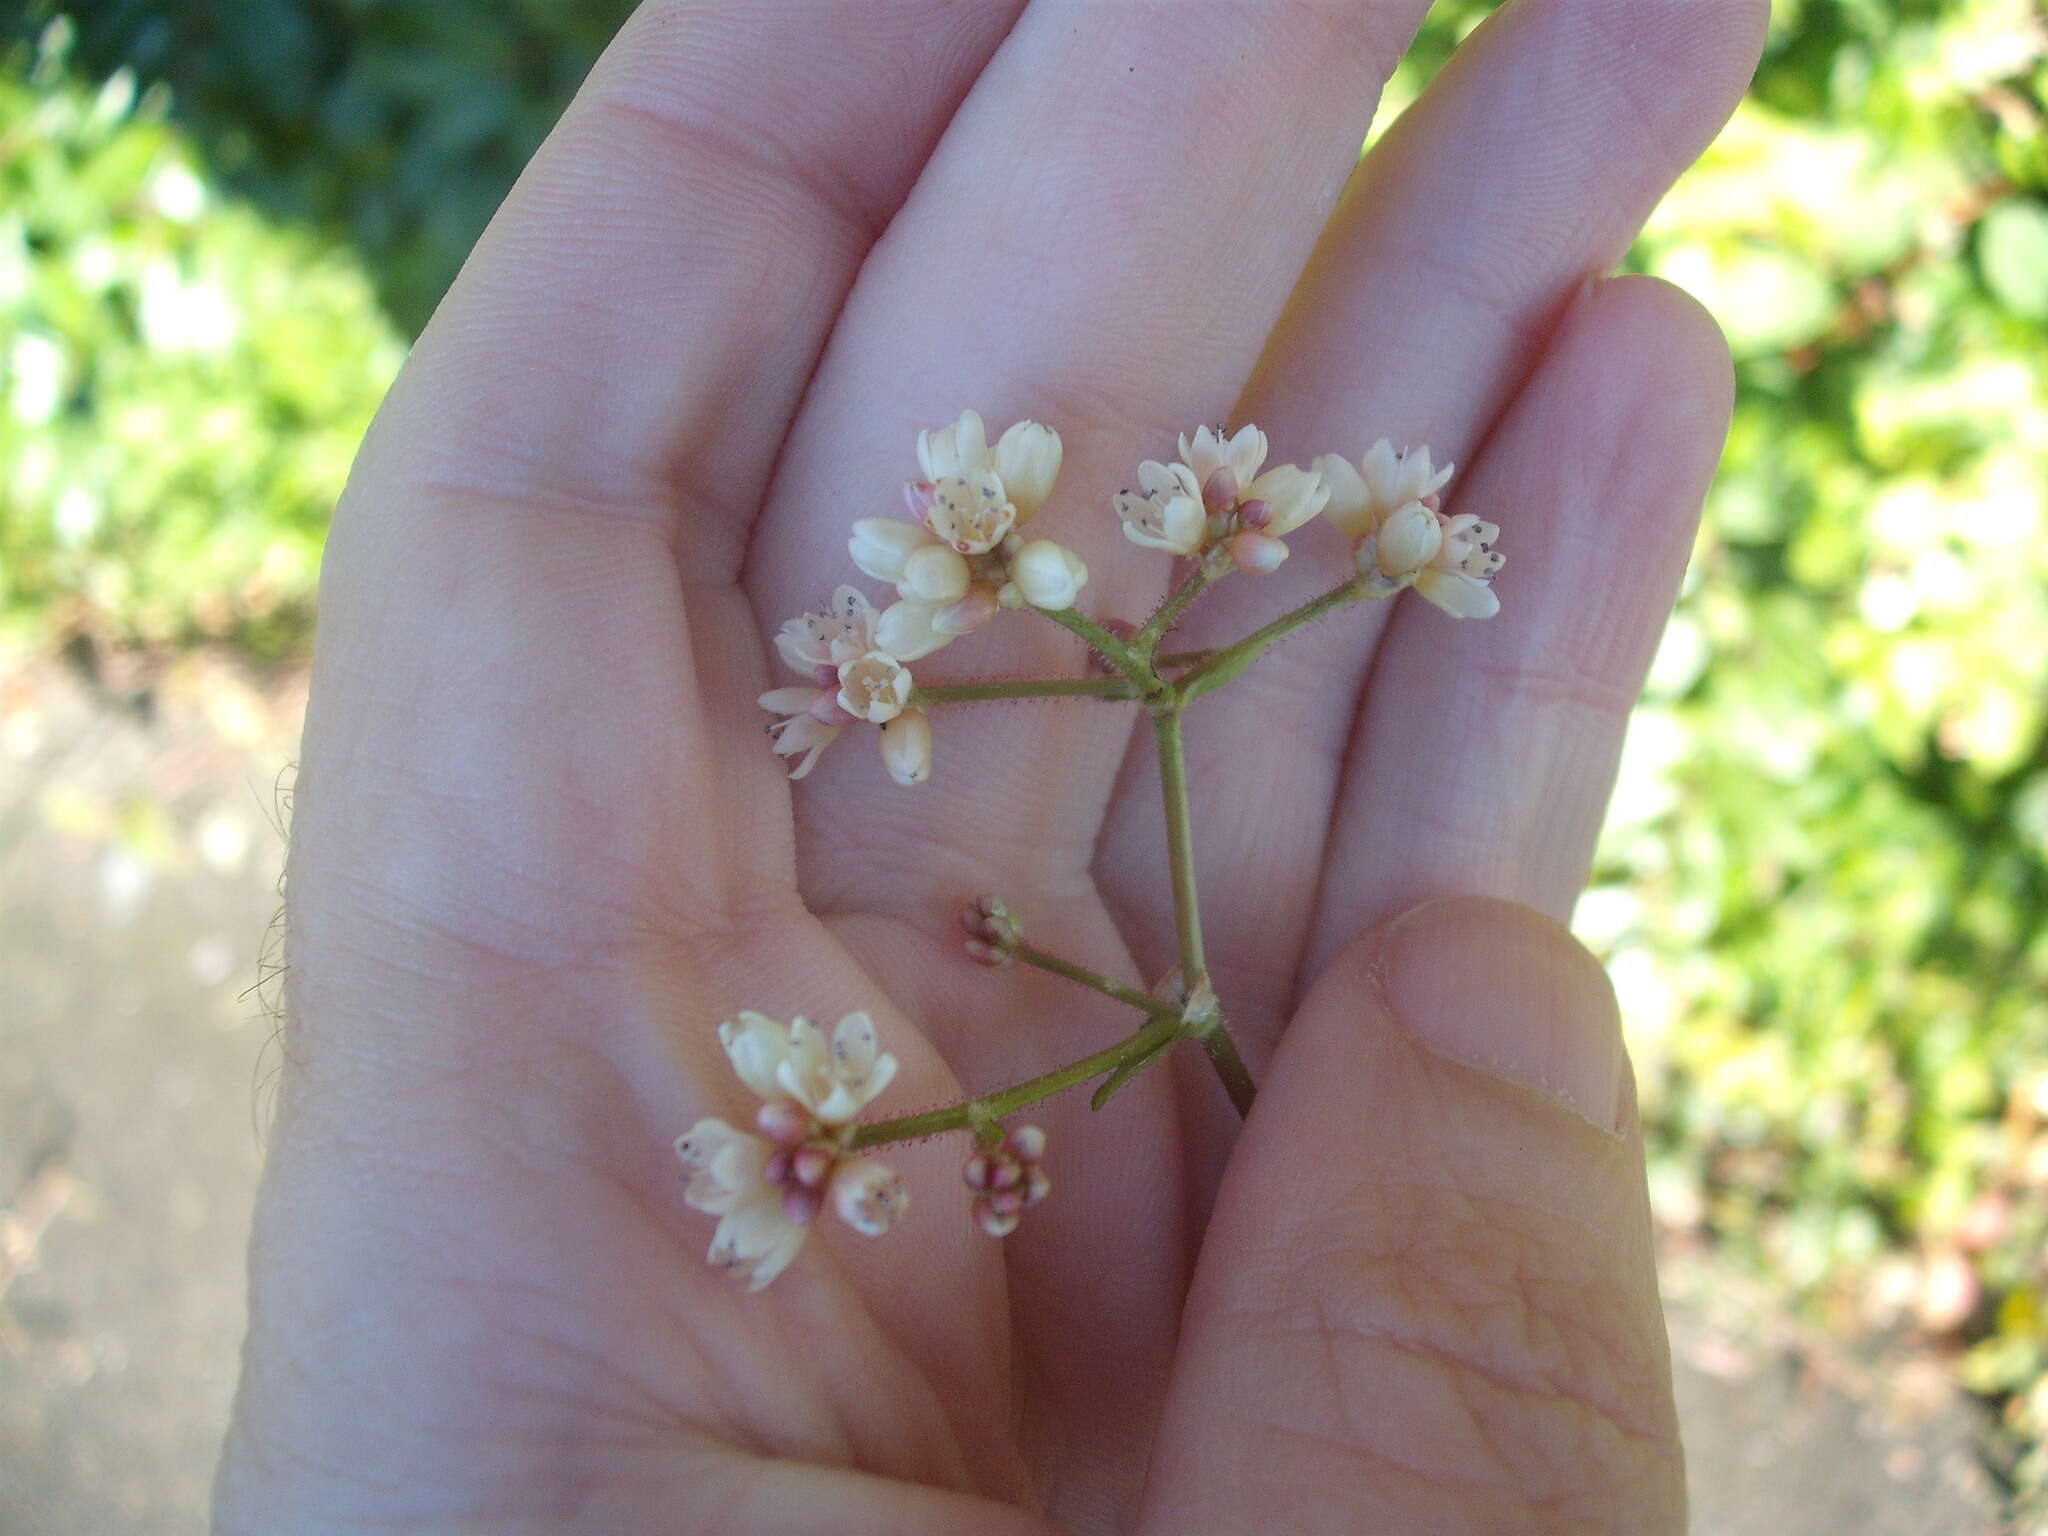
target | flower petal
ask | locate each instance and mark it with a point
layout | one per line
(755, 1242)
(1027, 460)
(1459, 595)
(758, 1047)
(1351, 505)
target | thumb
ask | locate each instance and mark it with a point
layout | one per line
(1427, 1300)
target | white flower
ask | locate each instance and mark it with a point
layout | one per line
(1274, 502)
(868, 1196)
(806, 731)
(1025, 461)
(1166, 511)
(909, 630)
(882, 546)
(842, 629)
(756, 1238)
(834, 1083)
(1208, 451)
(1048, 575)
(935, 574)
(907, 747)
(874, 687)
(1363, 496)
(1459, 579)
(970, 512)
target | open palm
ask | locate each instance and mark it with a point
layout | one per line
(542, 848)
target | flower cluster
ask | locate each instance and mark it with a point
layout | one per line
(1389, 504)
(767, 1190)
(1216, 497)
(1007, 1180)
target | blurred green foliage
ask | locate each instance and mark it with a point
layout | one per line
(1824, 889)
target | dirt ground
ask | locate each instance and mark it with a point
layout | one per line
(139, 859)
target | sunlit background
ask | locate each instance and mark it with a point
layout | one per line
(1821, 895)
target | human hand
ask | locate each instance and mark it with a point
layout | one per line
(541, 849)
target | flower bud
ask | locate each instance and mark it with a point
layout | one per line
(880, 545)
(934, 574)
(801, 1205)
(1036, 1185)
(995, 1223)
(906, 630)
(1219, 491)
(1256, 513)
(868, 1196)
(1409, 540)
(1026, 1143)
(1049, 575)
(969, 613)
(1028, 460)
(810, 1166)
(1256, 554)
(782, 1122)
(917, 499)
(907, 747)
(827, 710)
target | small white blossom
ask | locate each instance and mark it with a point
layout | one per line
(1166, 511)
(868, 1196)
(813, 720)
(1363, 496)
(842, 629)
(1459, 579)
(907, 747)
(1048, 575)
(1273, 502)
(969, 511)
(874, 687)
(767, 1189)
(1024, 462)
(755, 1239)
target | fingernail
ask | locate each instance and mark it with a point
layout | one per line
(1502, 989)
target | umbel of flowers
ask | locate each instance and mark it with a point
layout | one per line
(961, 560)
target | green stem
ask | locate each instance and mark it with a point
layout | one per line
(1179, 659)
(1227, 663)
(1108, 988)
(1180, 846)
(1161, 623)
(995, 1106)
(1025, 688)
(1235, 1076)
(1113, 650)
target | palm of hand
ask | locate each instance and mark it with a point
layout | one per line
(541, 848)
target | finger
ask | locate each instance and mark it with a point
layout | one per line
(1530, 161)
(1102, 242)
(508, 688)
(1484, 753)
(1428, 1300)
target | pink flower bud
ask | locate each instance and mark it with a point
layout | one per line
(978, 1171)
(996, 958)
(994, 1223)
(971, 612)
(1026, 1143)
(1219, 491)
(776, 1169)
(801, 1205)
(810, 1166)
(1006, 1174)
(1255, 513)
(1036, 1186)
(918, 496)
(825, 677)
(1256, 554)
(782, 1122)
(1006, 1202)
(827, 710)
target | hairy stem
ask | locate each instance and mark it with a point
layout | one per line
(1025, 688)
(1118, 654)
(1007, 1101)
(1228, 662)
(1168, 614)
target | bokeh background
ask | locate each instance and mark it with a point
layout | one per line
(1821, 895)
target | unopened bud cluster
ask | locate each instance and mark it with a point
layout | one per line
(1007, 1180)
(993, 933)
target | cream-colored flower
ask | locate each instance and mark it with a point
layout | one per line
(830, 636)
(1025, 460)
(812, 722)
(1209, 450)
(1048, 575)
(835, 1082)
(874, 687)
(907, 747)
(909, 630)
(756, 1238)
(969, 511)
(1273, 502)
(1459, 578)
(868, 1196)
(1166, 511)
(1364, 495)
